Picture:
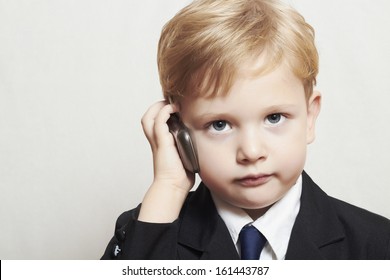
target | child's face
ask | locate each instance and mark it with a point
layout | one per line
(252, 143)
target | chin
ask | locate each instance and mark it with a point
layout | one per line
(253, 205)
(256, 206)
(261, 201)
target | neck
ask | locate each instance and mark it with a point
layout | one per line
(257, 213)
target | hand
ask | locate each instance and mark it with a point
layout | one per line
(171, 183)
(168, 166)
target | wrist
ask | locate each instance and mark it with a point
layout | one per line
(162, 203)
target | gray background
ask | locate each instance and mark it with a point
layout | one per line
(76, 76)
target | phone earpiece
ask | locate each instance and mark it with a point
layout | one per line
(184, 143)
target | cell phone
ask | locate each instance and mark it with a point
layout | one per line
(184, 143)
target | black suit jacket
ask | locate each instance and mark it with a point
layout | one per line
(325, 228)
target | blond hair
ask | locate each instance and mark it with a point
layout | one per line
(202, 48)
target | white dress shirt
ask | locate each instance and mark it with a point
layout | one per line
(276, 224)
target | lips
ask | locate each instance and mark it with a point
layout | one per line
(254, 180)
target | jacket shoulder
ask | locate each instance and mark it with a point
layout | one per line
(333, 229)
(359, 220)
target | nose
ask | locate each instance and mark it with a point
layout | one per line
(251, 147)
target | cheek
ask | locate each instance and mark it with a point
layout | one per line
(212, 155)
(214, 160)
(292, 156)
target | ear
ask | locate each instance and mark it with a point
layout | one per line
(313, 109)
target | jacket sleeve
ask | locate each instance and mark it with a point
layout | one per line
(138, 240)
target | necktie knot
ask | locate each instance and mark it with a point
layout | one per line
(252, 243)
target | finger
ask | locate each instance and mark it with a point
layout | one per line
(148, 119)
(161, 129)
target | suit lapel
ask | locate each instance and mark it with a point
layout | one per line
(317, 228)
(202, 229)
(316, 234)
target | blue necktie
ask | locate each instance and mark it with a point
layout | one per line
(252, 242)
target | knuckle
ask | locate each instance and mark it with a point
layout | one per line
(143, 121)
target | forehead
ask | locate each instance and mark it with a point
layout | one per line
(210, 82)
(249, 91)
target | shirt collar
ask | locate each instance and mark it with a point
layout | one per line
(276, 224)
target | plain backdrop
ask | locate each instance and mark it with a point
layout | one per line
(76, 77)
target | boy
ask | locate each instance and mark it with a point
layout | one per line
(240, 74)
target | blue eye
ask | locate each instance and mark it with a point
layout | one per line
(219, 126)
(274, 118)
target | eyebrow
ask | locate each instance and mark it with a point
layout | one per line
(206, 116)
(272, 108)
(281, 107)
